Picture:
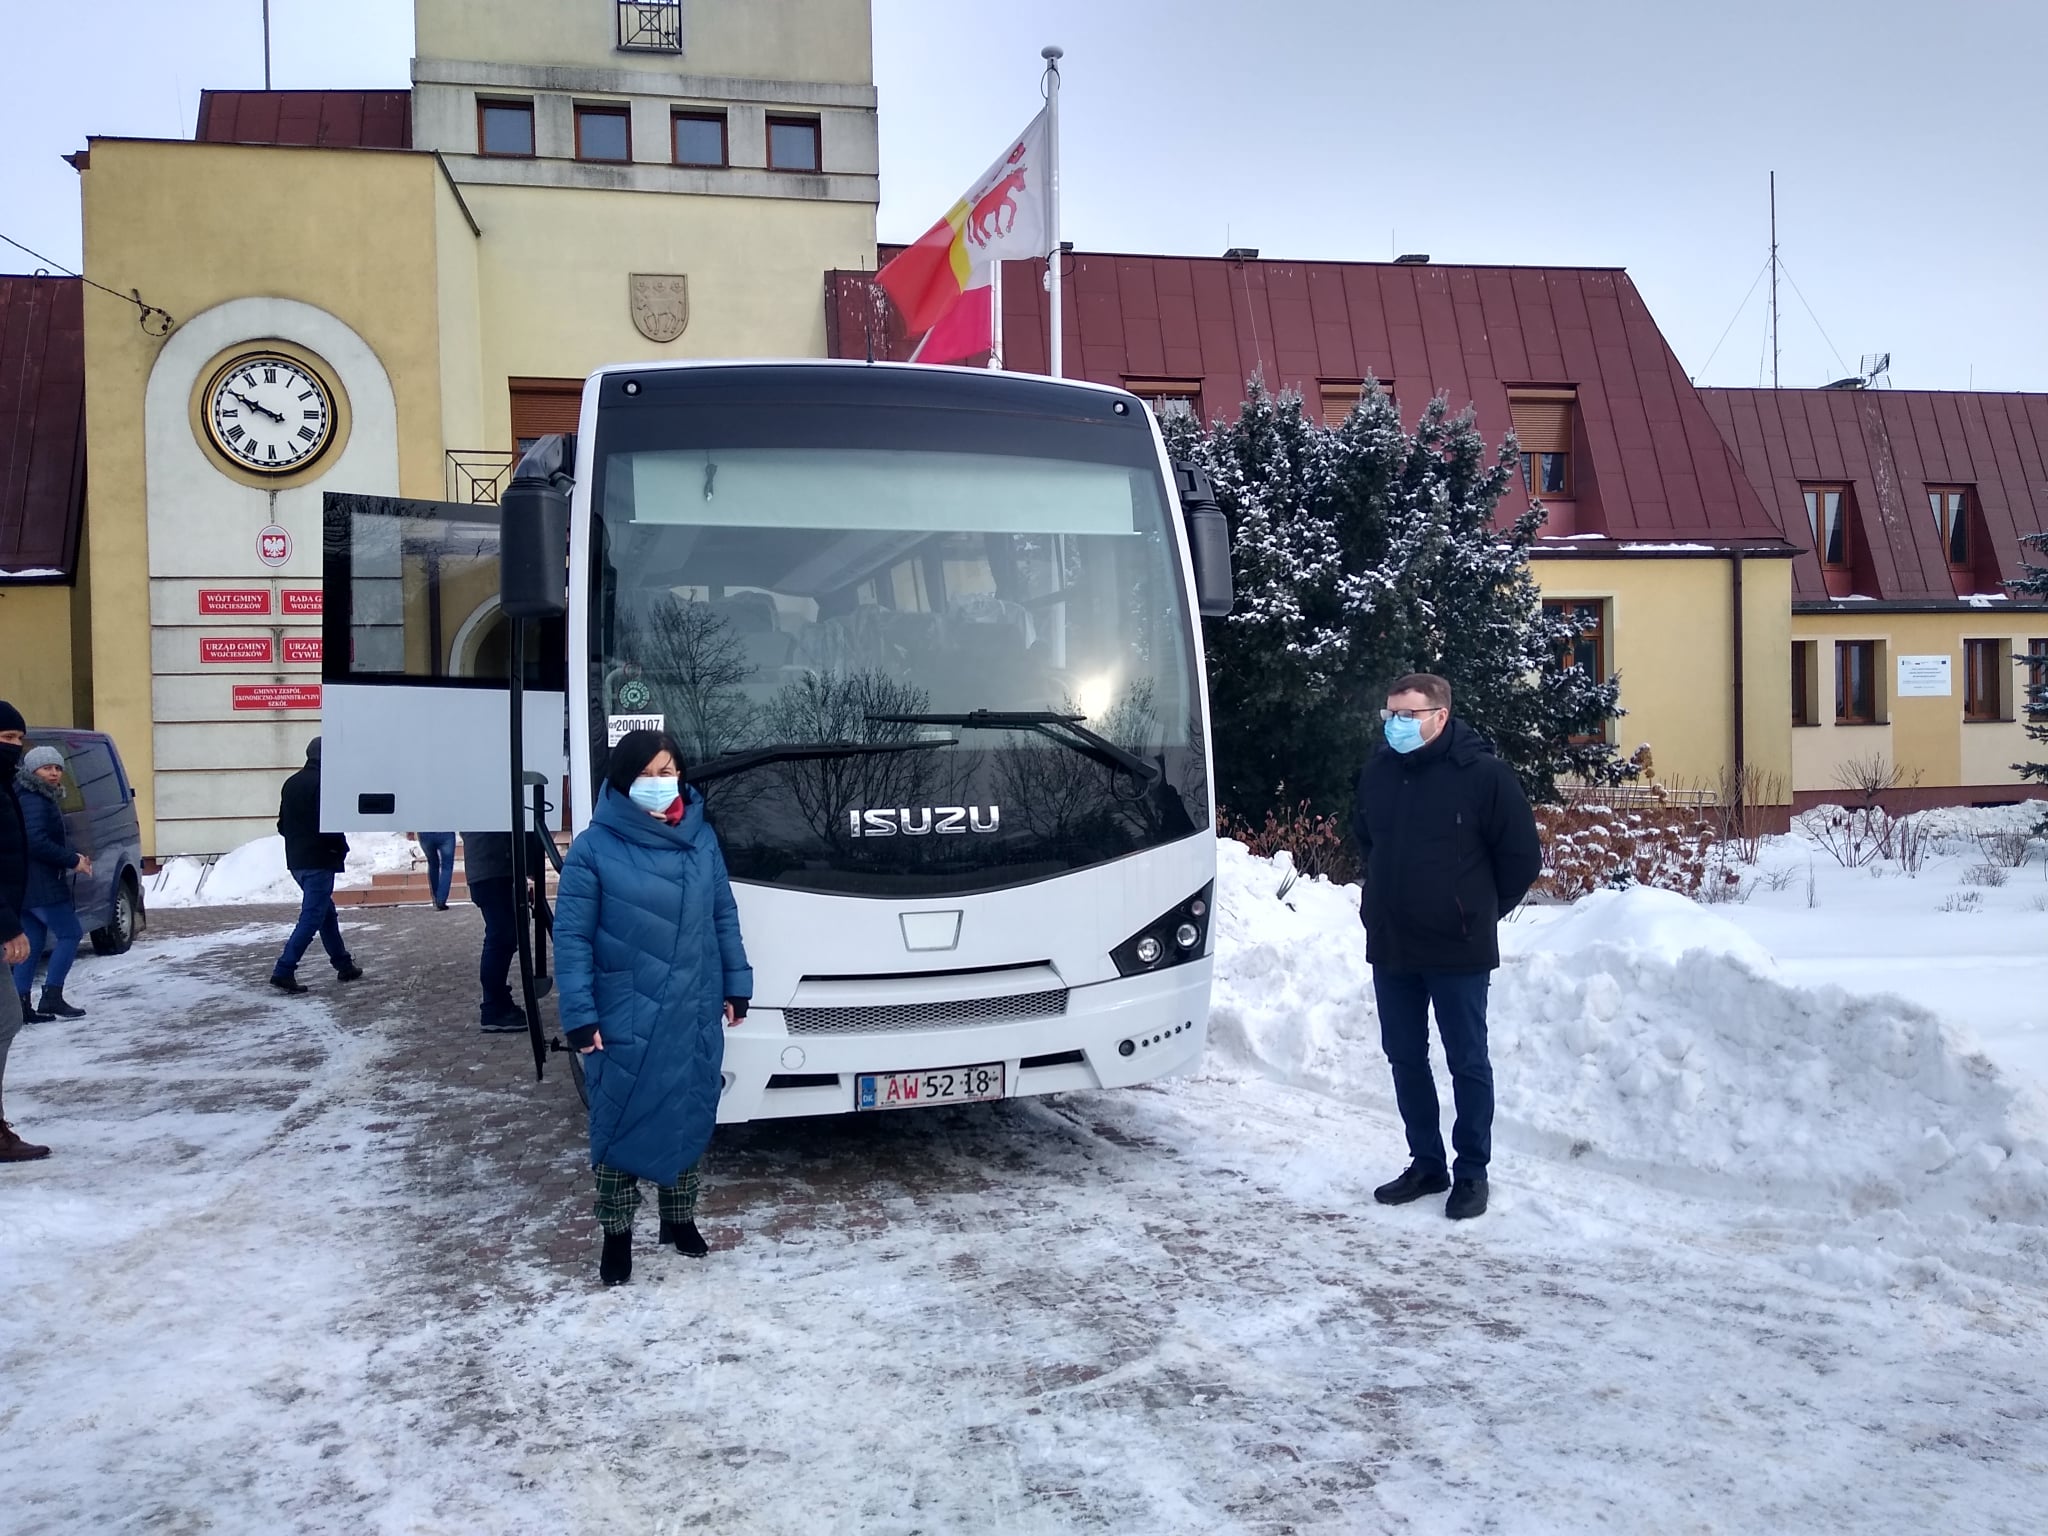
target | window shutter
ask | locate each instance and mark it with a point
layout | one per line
(1338, 399)
(542, 406)
(1542, 424)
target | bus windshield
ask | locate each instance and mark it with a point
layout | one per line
(1003, 590)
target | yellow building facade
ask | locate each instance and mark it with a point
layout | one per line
(542, 203)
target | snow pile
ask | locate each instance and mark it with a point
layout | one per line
(255, 872)
(1645, 1033)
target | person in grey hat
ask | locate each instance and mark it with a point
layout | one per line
(50, 913)
(314, 858)
(13, 896)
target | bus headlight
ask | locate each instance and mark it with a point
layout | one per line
(1171, 939)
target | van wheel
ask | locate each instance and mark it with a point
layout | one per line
(119, 933)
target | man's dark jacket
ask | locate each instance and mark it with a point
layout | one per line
(1449, 846)
(298, 821)
(13, 865)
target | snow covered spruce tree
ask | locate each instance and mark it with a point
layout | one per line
(2034, 583)
(1363, 552)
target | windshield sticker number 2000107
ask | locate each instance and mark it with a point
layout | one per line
(915, 1090)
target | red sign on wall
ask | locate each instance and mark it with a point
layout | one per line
(302, 600)
(235, 600)
(302, 648)
(247, 650)
(278, 696)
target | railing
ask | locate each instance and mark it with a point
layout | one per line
(1635, 796)
(652, 26)
(477, 476)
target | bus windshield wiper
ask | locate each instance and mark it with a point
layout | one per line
(1045, 722)
(801, 751)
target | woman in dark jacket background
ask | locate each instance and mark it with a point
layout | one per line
(49, 912)
(650, 970)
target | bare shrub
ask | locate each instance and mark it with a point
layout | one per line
(1985, 874)
(2038, 903)
(1910, 843)
(1964, 901)
(1725, 887)
(2007, 849)
(1779, 879)
(1744, 802)
(1853, 835)
(1317, 842)
(1589, 847)
(1870, 778)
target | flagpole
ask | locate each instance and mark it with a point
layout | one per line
(1052, 57)
(995, 319)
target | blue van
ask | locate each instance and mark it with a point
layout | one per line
(100, 822)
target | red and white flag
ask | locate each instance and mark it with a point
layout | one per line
(942, 283)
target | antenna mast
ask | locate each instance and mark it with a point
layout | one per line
(1774, 279)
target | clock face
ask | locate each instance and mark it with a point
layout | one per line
(269, 413)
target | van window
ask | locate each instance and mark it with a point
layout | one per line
(92, 765)
(74, 797)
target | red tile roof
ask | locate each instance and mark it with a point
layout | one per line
(42, 425)
(329, 119)
(1650, 463)
(1890, 446)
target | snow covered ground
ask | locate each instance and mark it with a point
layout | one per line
(255, 873)
(1765, 1254)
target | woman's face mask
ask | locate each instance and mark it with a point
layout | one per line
(655, 796)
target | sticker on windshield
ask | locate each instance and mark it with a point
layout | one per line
(616, 726)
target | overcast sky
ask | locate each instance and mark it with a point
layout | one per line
(1908, 138)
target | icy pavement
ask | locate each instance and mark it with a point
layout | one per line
(326, 1264)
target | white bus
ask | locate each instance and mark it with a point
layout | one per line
(929, 640)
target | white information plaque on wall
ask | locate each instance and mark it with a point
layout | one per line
(1923, 677)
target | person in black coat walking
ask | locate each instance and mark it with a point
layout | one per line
(1449, 847)
(13, 895)
(314, 859)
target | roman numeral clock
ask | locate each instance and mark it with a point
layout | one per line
(268, 413)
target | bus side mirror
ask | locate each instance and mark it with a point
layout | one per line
(533, 532)
(1208, 541)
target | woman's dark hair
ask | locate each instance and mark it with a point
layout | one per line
(636, 749)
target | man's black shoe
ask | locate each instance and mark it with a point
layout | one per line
(1468, 1199)
(290, 984)
(511, 1022)
(1413, 1185)
(349, 972)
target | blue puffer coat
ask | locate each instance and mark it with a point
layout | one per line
(647, 947)
(50, 858)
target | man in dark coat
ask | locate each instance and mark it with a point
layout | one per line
(487, 870)
(13, 894)
(314, 859)
(1449, 847)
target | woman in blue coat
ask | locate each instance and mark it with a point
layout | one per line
(49, 912)
(650, 970)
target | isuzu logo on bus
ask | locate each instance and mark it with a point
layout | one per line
(925, 821)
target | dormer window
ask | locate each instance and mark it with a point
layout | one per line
(1543, 428)
(1950, 505)
(1827, 520)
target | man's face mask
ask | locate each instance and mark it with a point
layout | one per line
(1403, 734)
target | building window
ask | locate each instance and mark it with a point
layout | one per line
(1827, 519)
(1951, 508)
(1543, 429)
(1169, 397)
(793, 144)
(2037, 680)
(1856, 682)
(653, 26)
(542, 406)
(700, 138)
(1984, 669)
(603, 133)
(505, 128)
(1805, 682)
(1339, 400)
(1586, 646)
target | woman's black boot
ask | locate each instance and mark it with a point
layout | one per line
(615, 1265)
(686, 1237)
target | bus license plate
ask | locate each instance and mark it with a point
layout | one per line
(913, 1090)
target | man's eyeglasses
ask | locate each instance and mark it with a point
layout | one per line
(1410, 714)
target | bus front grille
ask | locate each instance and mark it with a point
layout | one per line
(953, 1013)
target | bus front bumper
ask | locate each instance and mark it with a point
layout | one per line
(1113, 1034)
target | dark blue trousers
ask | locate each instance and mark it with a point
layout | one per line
(439, 847)
(1405, 999)
(493, 897)
(316, 917)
